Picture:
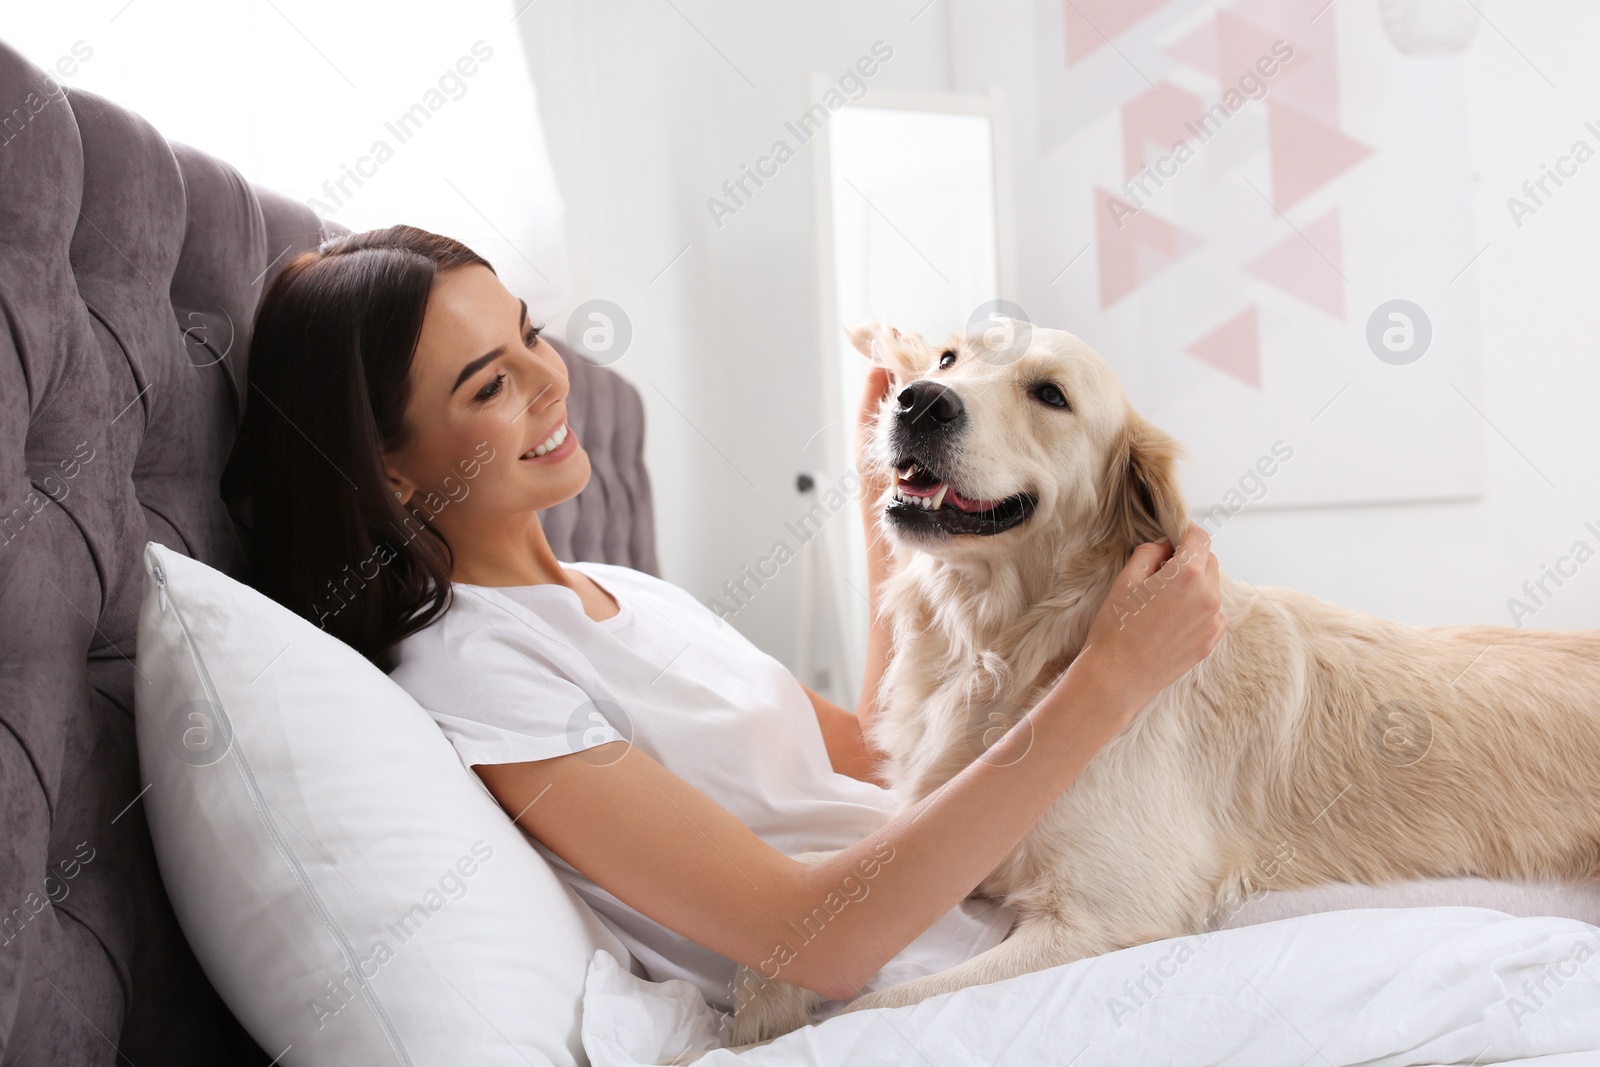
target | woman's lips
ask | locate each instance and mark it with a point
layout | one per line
(567, 447)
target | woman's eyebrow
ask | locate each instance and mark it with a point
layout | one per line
(488, 357)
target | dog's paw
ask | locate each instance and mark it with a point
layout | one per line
(894, 996)
(766, 1008)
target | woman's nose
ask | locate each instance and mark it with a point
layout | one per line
(546, 376)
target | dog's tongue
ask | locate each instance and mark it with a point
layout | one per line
(950, 496)
(955, 498)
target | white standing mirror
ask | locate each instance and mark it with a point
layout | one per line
(914, 227)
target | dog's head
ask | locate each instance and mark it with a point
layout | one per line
(1036, 444)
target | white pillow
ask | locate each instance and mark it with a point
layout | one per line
(351, 888)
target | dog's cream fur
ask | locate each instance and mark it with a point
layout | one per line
(1320, 743)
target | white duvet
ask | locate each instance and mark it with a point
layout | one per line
(1383, 987)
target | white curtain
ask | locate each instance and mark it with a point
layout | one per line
(371, 113)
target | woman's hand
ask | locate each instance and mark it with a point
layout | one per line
(875, 481)
(1162, 615)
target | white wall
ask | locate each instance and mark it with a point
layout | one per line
(649, 107)
(303, 97)
(1459, 563)
(1437, 563)
(646, 119)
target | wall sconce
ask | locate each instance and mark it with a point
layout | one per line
(1430, 27)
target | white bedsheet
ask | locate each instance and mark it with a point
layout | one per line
(1390, 987)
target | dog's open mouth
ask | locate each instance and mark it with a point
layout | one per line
(925, 501)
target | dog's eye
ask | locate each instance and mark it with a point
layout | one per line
(948, 358)
(1050, 394)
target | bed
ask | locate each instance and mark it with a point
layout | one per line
(1386, 987)
(129, 272)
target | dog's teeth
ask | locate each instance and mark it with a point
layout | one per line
(927, 503)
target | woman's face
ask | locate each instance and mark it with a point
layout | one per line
(485, 392)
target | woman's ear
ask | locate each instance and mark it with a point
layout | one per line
(1142, 499)
(400, 487)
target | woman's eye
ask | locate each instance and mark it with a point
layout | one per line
(532, 336)
(1051, 394)
(492, 390)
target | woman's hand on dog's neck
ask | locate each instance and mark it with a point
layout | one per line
(1162, 615)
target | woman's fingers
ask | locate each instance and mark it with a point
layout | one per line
(1164, 613)
(874, 389)
(1146, 560)
(877, 385)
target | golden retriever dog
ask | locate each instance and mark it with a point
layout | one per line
(1316, 743)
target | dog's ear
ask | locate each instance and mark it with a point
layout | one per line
(1142, 500)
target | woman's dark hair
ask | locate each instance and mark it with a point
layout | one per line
(330, 362)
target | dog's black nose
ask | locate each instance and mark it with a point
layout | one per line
(931, 399)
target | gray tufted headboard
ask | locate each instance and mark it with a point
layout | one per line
(129, 275)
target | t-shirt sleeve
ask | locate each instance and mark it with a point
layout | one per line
(503, 692)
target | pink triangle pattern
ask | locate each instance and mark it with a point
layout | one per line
(1198, 48)
(1235, 39)
(1241, 45)
(1133, 245)
(1307, 266)
(1311, 78)
(1156, 117)
(1090, 24)
(1234, 348)
(1306, 153)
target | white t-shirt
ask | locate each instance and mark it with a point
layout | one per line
(522, 673)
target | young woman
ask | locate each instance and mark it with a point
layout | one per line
(405, 426)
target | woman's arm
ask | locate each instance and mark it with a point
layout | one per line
(848, 749)
(843, 730)
(874, 483)
(681, 859)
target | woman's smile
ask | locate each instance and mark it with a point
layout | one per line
(557, 447)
